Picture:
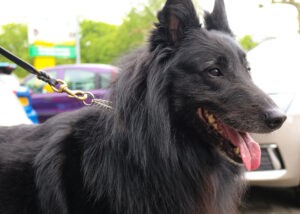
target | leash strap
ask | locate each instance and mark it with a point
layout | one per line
(58, 86)
(26, 66)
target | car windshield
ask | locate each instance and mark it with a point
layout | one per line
(275, 65)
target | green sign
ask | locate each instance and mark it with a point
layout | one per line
(55, 51)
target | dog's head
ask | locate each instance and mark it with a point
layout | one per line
(210, 80)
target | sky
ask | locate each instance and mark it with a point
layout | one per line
(110, 11)
(244, 15)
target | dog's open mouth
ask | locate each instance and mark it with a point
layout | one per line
(238, 146)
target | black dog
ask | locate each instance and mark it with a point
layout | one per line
(173, 141)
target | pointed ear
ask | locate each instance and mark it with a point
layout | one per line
(175, 18)
(217, 19)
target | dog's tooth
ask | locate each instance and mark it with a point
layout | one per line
(237, 150)
(211, 119)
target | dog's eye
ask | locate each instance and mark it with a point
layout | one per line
(215, 72)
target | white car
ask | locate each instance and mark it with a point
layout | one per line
(11, 110)
(275, 67)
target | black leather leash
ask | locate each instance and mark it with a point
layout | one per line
(40, 74)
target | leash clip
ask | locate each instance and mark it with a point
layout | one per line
(62, 87)
(86, 97)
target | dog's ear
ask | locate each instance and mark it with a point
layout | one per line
(217, 19)
(175, 18)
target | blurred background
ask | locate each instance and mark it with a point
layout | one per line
(80, 41)
(48, 33)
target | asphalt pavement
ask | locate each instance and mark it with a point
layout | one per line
(260, 200)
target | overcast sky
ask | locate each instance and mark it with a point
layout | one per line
(244, 15)
(110, 11)
(105, 10)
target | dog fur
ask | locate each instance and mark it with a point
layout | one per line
(150, 153)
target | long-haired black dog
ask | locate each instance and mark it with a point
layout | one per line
(173, 141)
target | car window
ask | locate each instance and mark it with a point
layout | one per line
(80, 79)
(104, 80)
(38, 86)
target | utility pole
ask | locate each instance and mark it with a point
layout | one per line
(77, 37)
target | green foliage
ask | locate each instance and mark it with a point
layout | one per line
(247, 42)
(134, 30)
(96, 42)
(13, 37)
(104, 43)
(136, 26)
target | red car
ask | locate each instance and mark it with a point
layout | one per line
(86, 77)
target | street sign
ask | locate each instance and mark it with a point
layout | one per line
(52, 28)
(55, 51)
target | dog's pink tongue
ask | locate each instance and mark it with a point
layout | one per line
(249, 149)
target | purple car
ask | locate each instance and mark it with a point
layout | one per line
(94, 78)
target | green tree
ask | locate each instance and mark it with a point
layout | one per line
(13, 37)
(97, 42)
(104, 43)
(136, 26)
(247, 42)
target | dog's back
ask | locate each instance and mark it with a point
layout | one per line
(39, 164)
(17, 188)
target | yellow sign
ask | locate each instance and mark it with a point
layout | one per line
(41, 62)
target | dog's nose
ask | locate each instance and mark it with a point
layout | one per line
(274, 119)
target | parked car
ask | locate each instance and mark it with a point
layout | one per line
(275, 68)
(11, 110)
(86, 77)
(9, 85)
(24, 96)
